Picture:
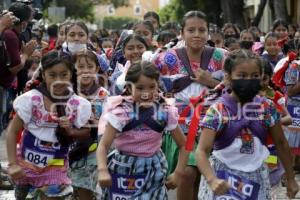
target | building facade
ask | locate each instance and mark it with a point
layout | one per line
(136, 9)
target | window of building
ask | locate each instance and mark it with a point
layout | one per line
(110, 9)
(137, 10)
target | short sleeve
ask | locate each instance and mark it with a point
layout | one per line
(118, 117)
(23, 106)
(217, 60)
(167, 62)
(213, 118)
(272, 115)
(291, 76)
(172, 118)
(84, 112)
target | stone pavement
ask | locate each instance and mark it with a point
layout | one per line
(9, 195)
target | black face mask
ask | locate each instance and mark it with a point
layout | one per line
(231, 36)
(246, 89)
(246, 44)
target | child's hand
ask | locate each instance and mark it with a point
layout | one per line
(104, 178)
(15, 172)
(292, 188)
(202, 76)
(64, 122)
(219, 186)
(172, 181)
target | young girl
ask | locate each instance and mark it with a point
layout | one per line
(61, 36)
(235, 129)
(146, 30)
(153, 17)
(133, 48)
(281, 28)
(176, 65)
(83, 166)
(135, 126)
(76, 37)
(247, 39)
(52, 116)
(279, 100)
(272, 53)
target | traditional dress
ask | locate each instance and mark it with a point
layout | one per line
(40, 154)
(137, 154)
(239, 151)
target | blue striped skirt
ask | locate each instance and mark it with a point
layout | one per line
(154, 168)
(261, 176)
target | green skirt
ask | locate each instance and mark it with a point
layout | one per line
(171, 151)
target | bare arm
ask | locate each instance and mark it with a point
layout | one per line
(286, 119)
(180, 140)
(13, 129)
(103, 147)
(203, 151)
(285, 157)
(293, 90)
(205, 144)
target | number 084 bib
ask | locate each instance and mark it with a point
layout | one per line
(42, 154)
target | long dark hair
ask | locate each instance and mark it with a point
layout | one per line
(136, 70)
(48, 61)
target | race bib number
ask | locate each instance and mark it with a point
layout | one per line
(294, 111)
(240, 188)
(124, 186)
(37, 159)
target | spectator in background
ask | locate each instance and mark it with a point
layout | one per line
(165, 37)
(61, 36)
(217, 37)
(281, 28)
(292, 29)
(257, 32)
(272, 53)
(6, 20)
(172, 27)
(247, 39)
(230, 30)
(297, 35)
(153, 17)
(232, 44)
(52, 32)
(14, 61)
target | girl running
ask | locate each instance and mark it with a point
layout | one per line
(138, 168)
(52, 117)
(187, 72)
(83, 166)
(235, 130)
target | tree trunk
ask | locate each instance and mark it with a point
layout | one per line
(233, 12)
(259, 13)
(280, 9)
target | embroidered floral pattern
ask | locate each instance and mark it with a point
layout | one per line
(169, 63)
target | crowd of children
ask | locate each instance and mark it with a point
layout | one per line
(120, 114)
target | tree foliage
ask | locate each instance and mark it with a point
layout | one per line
(116, 3)
(176, 9)
(116, 22)
(77, 9)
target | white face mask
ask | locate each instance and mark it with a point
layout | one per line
(74, 47)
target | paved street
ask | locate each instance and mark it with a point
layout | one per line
(9, 195)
